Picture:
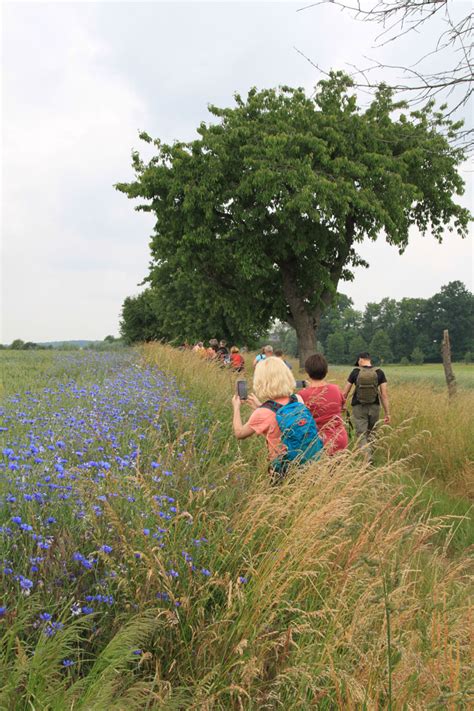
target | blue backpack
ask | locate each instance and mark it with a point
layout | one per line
(299, 433)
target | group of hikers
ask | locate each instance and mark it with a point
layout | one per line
(217, 351)
(297, 426)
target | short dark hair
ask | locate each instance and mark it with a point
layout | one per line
(316, 366)
(278, 353)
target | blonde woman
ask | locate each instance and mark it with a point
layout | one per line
(278, 414)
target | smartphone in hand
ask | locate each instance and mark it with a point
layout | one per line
(300, 384)
(242, 389)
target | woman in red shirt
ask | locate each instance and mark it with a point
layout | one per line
(326, 403)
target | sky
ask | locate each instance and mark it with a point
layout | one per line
(80, 80)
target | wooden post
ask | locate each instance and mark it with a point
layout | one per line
(448, 370)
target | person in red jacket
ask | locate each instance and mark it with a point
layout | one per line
(326, 403)
(237, 362)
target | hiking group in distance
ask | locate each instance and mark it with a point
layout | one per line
(300, 419)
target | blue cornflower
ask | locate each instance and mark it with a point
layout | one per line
(52, 628)
(16, 519)
(242, 580)
(3, 610)
(106, 549)
(67, 663)
(137, 652)
(45, 616)
(86, 610)
(173, 574)
(25, 583)
(146, 531)
(205, 571)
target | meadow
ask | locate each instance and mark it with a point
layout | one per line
(147, 564)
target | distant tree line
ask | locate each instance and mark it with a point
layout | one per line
(19, 345)
(406, 331)
(409, 330)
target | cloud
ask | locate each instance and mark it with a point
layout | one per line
(65, 146)
(80, 80)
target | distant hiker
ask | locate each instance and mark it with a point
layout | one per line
(198, 347)
(267, 352)
(222, 352)
(370, 388)
(279, 354)
(326, 402)
(237, 362)
(212, 350)
(280, 416)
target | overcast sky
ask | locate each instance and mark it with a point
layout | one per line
(81, 79)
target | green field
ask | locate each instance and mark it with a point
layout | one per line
(148, 564)
(429, 373)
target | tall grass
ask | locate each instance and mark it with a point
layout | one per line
(333, 591)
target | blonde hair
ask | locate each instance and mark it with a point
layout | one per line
(272, 378)
(234, 349)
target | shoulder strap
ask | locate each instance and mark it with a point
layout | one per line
(275, 406)
(271, 405)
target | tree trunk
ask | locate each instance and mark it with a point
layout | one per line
(306, 337)
(299, 317)
(448, 370)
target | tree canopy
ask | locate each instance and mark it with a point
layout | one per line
(260, 216)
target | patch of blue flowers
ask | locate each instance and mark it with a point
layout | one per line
(69, 449)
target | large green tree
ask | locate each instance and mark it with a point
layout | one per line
(264, 210)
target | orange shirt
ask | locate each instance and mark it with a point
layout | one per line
(263, 421)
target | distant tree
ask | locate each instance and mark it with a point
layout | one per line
(404, 361)
(336, 348)
(417, 357)
(356, 345)
(262, 214)
(333, 318)
(380, 348)
(451, 308)
(17, 345)
(109, 339)
(407, 327)
(468, 357)
(30, 346)
(140, 322)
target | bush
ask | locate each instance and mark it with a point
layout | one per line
(468, 357)
(404, 361)
(417, 357)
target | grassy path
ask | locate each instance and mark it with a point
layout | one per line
(166, 574)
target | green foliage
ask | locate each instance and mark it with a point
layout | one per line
(261, 215)
(409, 323)
(380, 349)
(356, 345)
(452, 308)
(336, 349)
(140, 321)
(417, 357)
(404, 361)
(17, 345)
(468, 357)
